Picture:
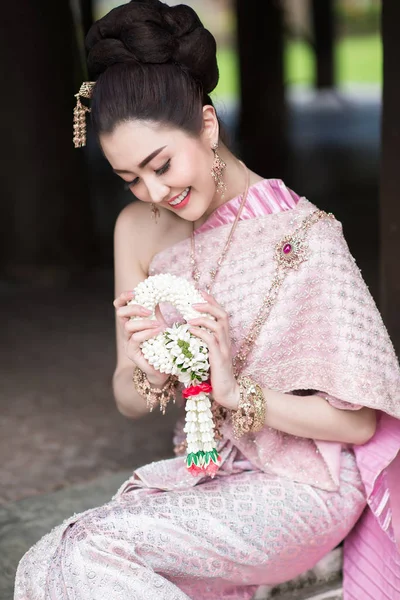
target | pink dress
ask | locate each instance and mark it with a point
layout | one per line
(279, 503)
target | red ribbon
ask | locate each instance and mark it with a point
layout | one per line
(197, 389)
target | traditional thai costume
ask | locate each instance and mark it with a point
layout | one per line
(279, 502)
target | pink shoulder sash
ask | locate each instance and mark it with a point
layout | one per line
(264, 198)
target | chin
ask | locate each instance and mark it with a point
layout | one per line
(196, 215)
(193, 211)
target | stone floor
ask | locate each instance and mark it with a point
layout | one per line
(59, 423)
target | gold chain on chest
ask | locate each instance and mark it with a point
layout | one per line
(290, 252)
(215, 270)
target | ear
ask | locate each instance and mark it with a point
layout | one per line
(210, 131)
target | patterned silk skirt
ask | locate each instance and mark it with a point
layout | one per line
(217, 540)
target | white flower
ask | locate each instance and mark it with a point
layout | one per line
(206, 426)
(191, 416)
(185, 378)
(193, 437)
(202, 418)
(201, 406)
(193, 447)
(208, 446)
(176, 351)
(190, 427)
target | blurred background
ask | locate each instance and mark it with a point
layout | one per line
(305, 95)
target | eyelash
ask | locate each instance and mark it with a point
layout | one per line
(161, 171)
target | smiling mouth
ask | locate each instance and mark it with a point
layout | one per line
(180, 198)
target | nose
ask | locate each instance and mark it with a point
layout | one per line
(158, 191)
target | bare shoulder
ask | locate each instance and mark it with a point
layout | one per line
(142, 237)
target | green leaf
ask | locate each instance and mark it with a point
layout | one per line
(190, 459)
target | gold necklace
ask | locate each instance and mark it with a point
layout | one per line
(290, 252)
(215, 270)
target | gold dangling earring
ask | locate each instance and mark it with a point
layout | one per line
(155, 212)
(217, 170)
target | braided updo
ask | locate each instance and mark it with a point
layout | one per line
(151, 62)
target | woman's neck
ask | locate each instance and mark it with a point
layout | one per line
(235, 178)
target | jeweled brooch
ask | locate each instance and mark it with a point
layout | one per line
(291, 251)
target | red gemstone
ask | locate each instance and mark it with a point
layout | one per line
(287, 248)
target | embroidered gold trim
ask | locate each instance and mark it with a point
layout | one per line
(290, 252)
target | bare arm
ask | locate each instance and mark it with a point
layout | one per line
(313, 417)
(128, 401)
(132, 233)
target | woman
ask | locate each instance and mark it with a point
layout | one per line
(283, 496)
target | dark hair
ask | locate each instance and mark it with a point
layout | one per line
(151, 62)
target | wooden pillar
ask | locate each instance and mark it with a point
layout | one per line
(390, 164)
(87, 15)
(47, 213)
(324, 42)
(262, 115)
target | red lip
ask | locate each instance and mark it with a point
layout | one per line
(183, 203)
(174, 198)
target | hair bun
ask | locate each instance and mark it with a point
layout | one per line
(149, 31)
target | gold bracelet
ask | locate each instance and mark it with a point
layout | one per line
(154, 396)
(250, 414)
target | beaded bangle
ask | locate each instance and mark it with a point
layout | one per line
(250, 414)
(155, 396)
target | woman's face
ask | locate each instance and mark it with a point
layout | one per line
(164, 165)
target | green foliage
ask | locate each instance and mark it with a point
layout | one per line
(358, 60)
(228, 63)
(184, 346)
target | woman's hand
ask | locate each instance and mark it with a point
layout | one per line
(225, 387)
(137, 331)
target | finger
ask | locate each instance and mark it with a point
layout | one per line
(142, 336)
(159, 315)
(123, 299)
(215, 326)
(212, 309)
(133, 326)
(207, 337)
(208, 298)
(133, 310)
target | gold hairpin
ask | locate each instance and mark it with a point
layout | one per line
(80, 110)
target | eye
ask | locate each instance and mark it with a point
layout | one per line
(164, 168)
(129, 184)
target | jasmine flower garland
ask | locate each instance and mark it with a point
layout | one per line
(177, 352)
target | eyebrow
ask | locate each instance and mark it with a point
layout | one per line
(145, 161)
